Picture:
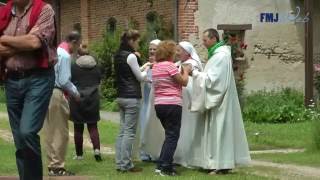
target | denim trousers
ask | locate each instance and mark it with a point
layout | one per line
(27, 103)
(129, 114)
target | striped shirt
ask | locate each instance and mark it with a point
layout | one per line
(166, 89)
(44, 29)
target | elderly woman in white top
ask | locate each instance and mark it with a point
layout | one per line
(187, 150)
(146, 108)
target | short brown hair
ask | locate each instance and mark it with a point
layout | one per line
(165, 50)
(212, 33)
(73, 36)
(128, 35)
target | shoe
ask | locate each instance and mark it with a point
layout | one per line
(220, 172)
(145, 157)
(132, 170)
(97, 155)
(157, 170)
(59, 172)
(98, 158)
(78, 158)
(168, 173)
(207, 171)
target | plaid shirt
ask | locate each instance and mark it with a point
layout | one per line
(44, 29)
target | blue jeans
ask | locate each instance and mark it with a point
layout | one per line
(129, 114)
(27, 103)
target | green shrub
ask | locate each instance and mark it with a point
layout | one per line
(316, 133)
(282, 106)
(103, 51)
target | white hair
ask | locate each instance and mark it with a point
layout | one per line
(155, 42)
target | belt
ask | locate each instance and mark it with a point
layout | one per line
(27, 73)
(57, 87)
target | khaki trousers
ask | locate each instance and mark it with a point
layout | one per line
(56, 129)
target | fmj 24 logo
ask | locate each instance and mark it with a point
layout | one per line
(269, 17)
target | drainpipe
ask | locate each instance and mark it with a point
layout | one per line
(308, 32)
(58, 19)
(175, 20)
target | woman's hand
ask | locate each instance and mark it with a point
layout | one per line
(146, 66)
(186, 68)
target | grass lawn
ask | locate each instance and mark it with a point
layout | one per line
(106, 169)
(278, 136)
(3, 107)
(307, 158)
(260, 136)
(108, 132)
(4, 124)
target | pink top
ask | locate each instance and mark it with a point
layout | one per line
(166, 90)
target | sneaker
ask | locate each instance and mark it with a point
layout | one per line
(96, 152)
(78, 158)
(157, 170)
(59, 172)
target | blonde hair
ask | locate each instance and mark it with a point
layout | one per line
(166, 50)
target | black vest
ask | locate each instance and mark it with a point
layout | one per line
(127, 84)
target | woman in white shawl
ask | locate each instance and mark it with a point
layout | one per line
(186, 151)
(147, 108)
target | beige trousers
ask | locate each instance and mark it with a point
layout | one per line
(56, 129)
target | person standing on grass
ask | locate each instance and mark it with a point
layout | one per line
(27, 51)
(86, 76)
(221, 136)
(168, 82)
(56, 128)
(147, 110)
(186, 149)
(128, 78)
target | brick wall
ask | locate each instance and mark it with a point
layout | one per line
(101, 10)
(93, 15)
(186, 19)
(70, 14)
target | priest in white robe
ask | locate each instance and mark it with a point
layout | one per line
(221, 137)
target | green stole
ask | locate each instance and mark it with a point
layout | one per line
(213, 48)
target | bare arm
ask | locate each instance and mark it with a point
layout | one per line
(43, 31)
(6, 51)
(27, 42)
(183, 77)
